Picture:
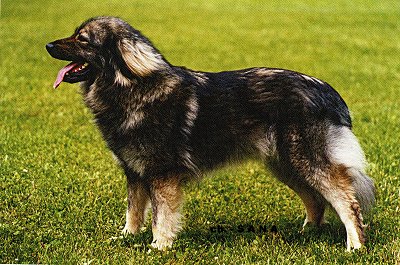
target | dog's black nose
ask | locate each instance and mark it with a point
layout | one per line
(49, 46)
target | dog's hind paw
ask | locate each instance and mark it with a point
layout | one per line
(351, 246)
(353, 243)
(313, 222)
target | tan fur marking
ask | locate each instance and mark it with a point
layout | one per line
(121, 79)
(314, 208)
(345, 181)
(342, 179)
(138, 204)
(140, 58)
(342, 197)
(166, 196)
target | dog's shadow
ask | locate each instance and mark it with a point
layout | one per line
(281, 231)
(264, 232)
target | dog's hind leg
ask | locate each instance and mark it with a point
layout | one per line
(138, 204)
(315, 207)
(338, 190)
(320, 156)
(166, 198)
(335, 185)
(313, 202)
(348, 188)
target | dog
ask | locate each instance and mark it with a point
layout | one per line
(167, 125)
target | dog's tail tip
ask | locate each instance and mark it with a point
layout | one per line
(364, 188)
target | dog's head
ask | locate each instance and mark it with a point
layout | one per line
(104, 46)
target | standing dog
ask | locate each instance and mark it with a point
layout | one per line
(167, 124)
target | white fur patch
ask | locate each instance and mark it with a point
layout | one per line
(341, 205)
(129, 225)
(191, 114)
(266, 71)
(168, 225)
(200, 77)
(267, 144)
(140, 57)
(313, 79)
(343, 148)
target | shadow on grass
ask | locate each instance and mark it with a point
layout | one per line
(229, 235)
(288, 233)
(246, 233)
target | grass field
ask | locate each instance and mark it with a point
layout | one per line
(62, 198)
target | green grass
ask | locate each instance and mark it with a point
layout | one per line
(62, 196)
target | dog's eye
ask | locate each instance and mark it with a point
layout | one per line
(81, 38)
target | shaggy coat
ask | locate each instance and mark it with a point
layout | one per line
(167, 124)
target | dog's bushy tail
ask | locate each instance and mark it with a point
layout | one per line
(364, 188)
(344, 149)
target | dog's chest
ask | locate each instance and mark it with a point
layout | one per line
(133, 159)
(144, 148)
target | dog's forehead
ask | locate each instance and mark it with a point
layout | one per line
(100, 28)
(96, 31)
(103, 23)
(91, 26)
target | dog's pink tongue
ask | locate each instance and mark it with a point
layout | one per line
(62, 73)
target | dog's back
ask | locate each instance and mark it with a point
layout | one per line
(240, 113)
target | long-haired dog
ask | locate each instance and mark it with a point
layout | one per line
(167, 124)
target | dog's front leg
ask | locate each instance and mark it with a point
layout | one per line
(138, 203)
(166, 197)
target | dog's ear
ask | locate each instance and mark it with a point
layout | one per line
(140, 57)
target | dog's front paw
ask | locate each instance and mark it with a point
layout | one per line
(162, 243)
(128, 230)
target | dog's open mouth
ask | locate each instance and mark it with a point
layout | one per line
(72, 73)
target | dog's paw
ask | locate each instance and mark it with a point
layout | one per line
(162, 243)
(351, 246)
(308, 222)
(128, 230)
(353, 243)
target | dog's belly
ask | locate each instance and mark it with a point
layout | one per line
(213, 148)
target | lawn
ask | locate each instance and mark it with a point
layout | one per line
(63, 197)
